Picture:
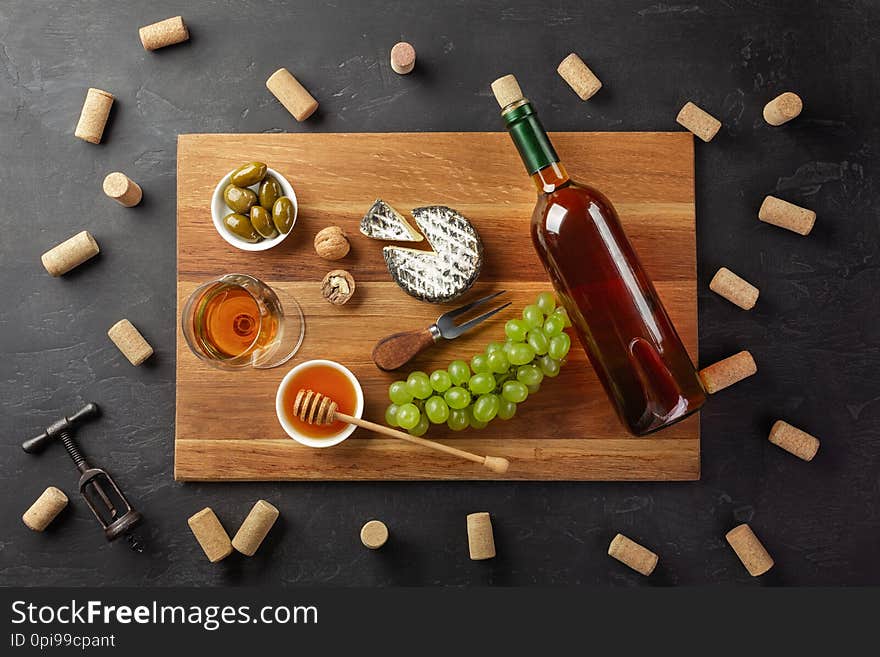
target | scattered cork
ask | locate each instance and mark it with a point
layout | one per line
(794, 441)
(698, 121)
(783, 108)
(130, 342)
(374, 534)
(70, 253)
(481, 540)
(337, 287)
(726, 372)
(295, 98)
(93, 118)
(255, 527)
(579, 76)
(749, 550)
(122, 189)
(210, 534)
(627, 551)
(45, 509)
(787, 215)
(506, 90)
(403, 58)
(164, 33)
(735, 289)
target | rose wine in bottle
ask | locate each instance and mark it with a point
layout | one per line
(613, 306)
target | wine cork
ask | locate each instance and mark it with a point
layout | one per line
(506, 90)
(793, 440)
(164, 33)
(93, 117)
(255, 528)
(724, 373)
(295, 98)
(374, 534)
(579, 76)
(627, 551)
(122, 189)
(787, 215)
(45, 509)
(210, 534)
(70, 253)
(403, 58)
(783, 108)
(735, 289)
(130, 342)
(749, 550)
(698, 121)
(481, 541)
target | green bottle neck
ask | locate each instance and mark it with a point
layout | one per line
(529, 136)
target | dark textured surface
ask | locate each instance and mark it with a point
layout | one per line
(814, 333)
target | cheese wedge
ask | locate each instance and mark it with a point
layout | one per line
(382, 222)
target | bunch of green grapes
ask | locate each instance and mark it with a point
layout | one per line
(493, 383)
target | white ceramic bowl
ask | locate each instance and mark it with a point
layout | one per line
(324, 441)
(219, 209)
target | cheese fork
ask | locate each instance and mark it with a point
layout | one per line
(397, 350)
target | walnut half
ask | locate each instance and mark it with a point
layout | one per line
(337, 287)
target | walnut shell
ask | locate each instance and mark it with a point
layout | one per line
(337, 287)
(331, 243)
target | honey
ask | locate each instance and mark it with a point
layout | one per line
(328, 381)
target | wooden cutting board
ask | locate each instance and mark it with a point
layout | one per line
(226, 426)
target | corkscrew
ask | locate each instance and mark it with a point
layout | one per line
(100, 492)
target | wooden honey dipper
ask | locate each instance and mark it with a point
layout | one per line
(315, 408)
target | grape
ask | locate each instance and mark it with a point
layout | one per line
(458, 420)
(546, 302)
(538, 341)
(486, 408)
(474, 422)
(419, 385)
(391, 415)
(553, 325)
(516, 330)
(529, 375)
(506, 409)
(399, 393)
(408, 416)
(421, 428)
(494, 346)
(440, 380)
(520, 354)
(456, 398)
(480, 364)
(533, 389)
(437, 410)
(562, 313)
(459, 372)
(498, 362)
(559, 346)
(514, 391)
(532, 316)
(549, 366)
(481, 383)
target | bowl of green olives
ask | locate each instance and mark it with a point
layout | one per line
(253, 207)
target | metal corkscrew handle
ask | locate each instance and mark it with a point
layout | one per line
(61, 429)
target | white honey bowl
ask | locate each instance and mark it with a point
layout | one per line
(219, 209)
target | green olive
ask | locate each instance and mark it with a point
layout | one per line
(239, 199)
(248, 174)
(261, 220)
(270, 191)
(283, 214)
(241, 227)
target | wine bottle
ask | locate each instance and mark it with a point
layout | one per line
(613, 306)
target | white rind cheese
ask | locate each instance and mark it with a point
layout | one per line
(450, 269)
(382, 222)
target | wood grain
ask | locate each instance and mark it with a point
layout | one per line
(567, 431)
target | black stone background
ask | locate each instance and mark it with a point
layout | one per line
(814, 332)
